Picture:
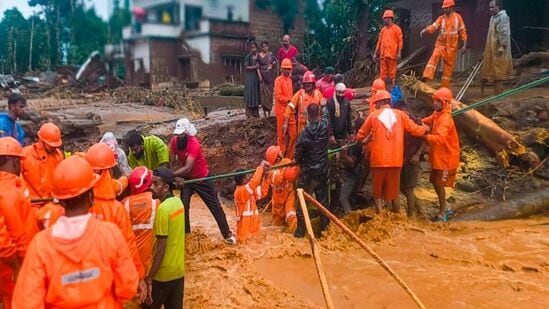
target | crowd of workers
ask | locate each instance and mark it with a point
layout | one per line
(69, 223)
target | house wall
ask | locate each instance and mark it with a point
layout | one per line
(141, 50)
(266, 25)
(203, 45)
(164, 60)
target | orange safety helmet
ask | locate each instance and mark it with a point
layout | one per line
(309, 77)
(448, 3)
(443, 94)
(382, 95)
(286, 63)
(378, 84)
(10, 147)
(271, 154)
(101, 157)
(388, 14)
(50, 134)
(291, 173)
(140, 180)
(72, 177)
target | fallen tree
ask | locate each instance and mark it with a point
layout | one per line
(520, 207)
(479, 127)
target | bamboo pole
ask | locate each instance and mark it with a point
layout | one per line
(267, 207)
(316, 253)
(364, 246)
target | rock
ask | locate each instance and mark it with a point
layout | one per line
(466, 185)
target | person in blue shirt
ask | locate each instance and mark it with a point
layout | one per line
(8, 124)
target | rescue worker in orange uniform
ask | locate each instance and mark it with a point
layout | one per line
(444, 148)
(41, 159)
(295, 117)
(245, 197)
(105, 206)
(141, 206)
(384, 129)
(283, 197)
(79, 262)
(377, 85)
(17, 216)
(389, 47)
(283, 93)
(452, 30)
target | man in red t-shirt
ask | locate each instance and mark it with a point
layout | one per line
(328, 92)
(287, 50)
(188, 161)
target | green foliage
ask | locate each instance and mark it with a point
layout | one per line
(64, 33)
(120, 18)
(332, 30)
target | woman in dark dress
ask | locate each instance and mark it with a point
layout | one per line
(251, 82)
(267, 74)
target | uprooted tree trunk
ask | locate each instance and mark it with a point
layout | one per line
(520, 207)
(479, 127)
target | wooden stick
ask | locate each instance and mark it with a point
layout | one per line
(364, 246)
(316, 253)
(267, 207)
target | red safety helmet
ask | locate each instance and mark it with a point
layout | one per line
(388, 14)
(9, 147)
(378, 84)
(140, 180)
(382, 95)
(101, 157)
(309, 77)
(291, 173)
(271, 154)
(72, 177)
(443, 94)
(286, 63)
(50, 134)
(448, 3)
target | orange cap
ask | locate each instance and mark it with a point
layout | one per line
(286, 63)
(50, 134)
(10, 147)
(444, 94)
(271, 154)
(448, 3)
(378, 84)
(388, 14)
(101, 157)
(72, 177)
(309, 77)
(291, 173)
(382, 95)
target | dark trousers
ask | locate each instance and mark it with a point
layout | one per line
(169, 293)
(317, 184)
(208, 193)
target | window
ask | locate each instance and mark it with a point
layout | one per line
(233, 68)
(193, 15)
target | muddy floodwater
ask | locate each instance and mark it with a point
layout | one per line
(453, 265)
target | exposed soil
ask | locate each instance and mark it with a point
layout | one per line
(465, 264)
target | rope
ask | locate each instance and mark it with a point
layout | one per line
(335, 150)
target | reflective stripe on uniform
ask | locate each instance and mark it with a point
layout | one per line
(143, 226)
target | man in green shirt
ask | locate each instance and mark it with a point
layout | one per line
(166, 278)
(149, 151)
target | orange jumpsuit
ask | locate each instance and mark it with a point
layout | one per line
(452, 29)
(247, 216)
(48, 215)
(19, 220)
(283, 198)
(8, 251)
(283, 93)
(142, 210)
(37, 170)
(387, 127)
(388, 46)
(297, 120)
(443, 140)
(107, 208)
(90, 271)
